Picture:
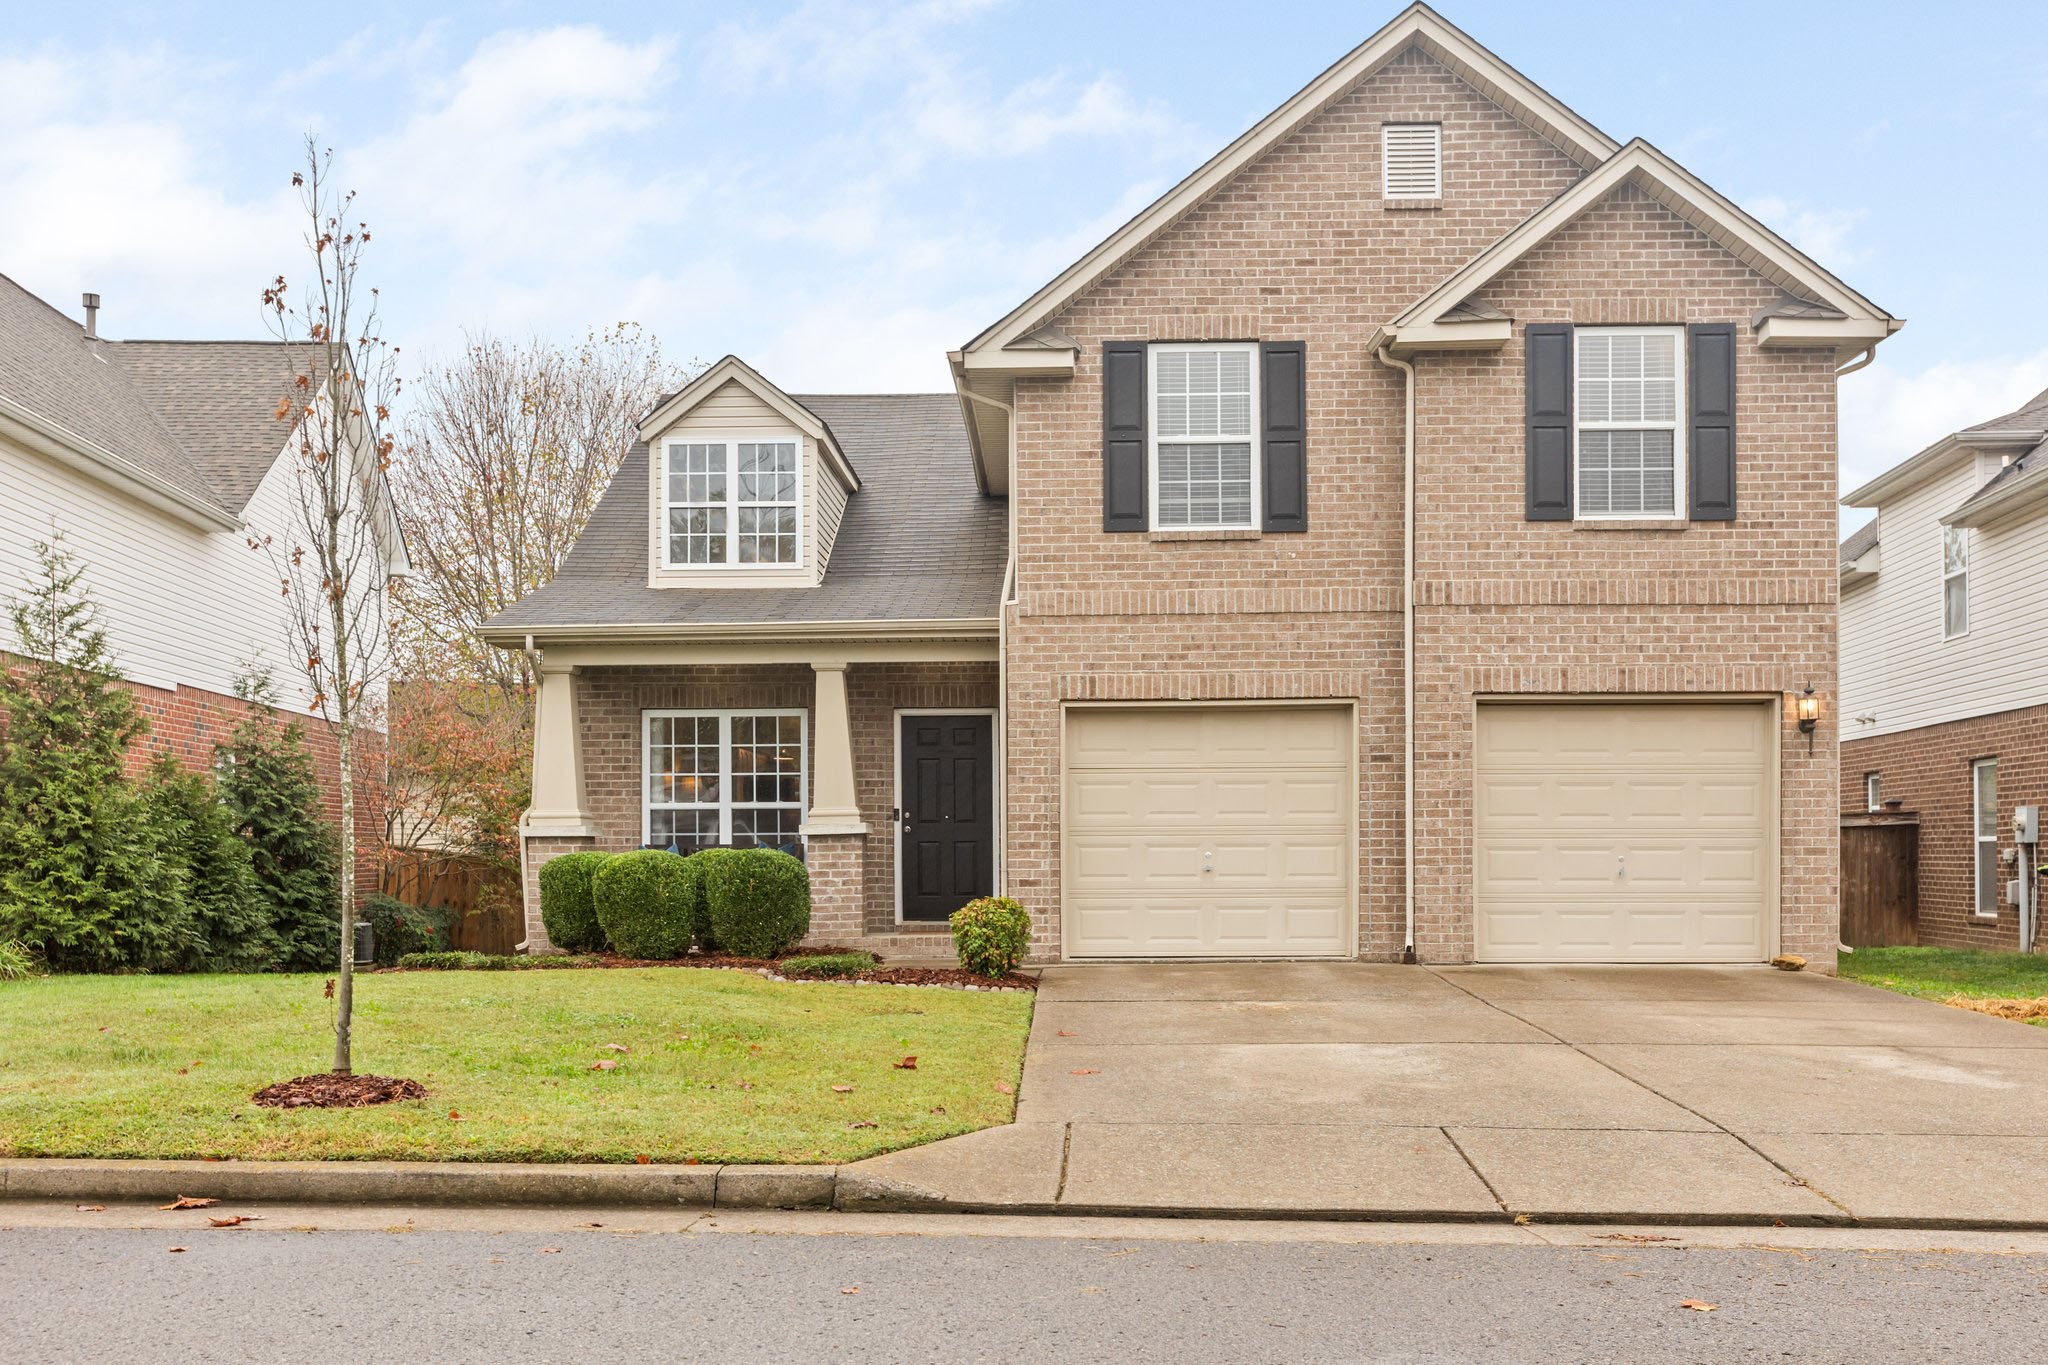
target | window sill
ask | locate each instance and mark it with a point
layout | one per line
(1631, 524)
(1398, 205)
(1175, 537)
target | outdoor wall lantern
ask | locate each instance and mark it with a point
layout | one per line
(1809, 715)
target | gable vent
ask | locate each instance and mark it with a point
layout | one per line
(1411, 160)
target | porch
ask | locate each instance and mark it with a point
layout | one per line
(846, 753)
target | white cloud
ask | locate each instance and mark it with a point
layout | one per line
(1887, 414)
(1824, 234)
(839, 46)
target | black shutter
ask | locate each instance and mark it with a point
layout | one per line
(1283, 395)
(1710, 448)
(1547, 488)
(1123, 436)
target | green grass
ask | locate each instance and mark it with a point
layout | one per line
(723, 1066)
(1938, 973)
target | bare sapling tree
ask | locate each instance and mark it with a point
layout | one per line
(335, 551)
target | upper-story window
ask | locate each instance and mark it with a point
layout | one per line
(1955, 582)
(1204, 442)
(1630, 442)
(731, 502)
(1411, 160)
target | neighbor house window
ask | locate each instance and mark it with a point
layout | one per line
(1872, 797)
(731, 502)
(723, 777)
(1955, 582)
(1984, 827)
(1631, 446)
(1411, 160)
(1203, 441)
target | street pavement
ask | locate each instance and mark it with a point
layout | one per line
(367, 1284)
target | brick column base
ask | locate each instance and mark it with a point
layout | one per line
(538, 851)
(837, 865)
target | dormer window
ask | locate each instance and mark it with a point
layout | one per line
(732, 502)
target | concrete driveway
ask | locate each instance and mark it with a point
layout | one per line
(1617, 1094)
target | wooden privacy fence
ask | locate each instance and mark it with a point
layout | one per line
(1880, 881)
(485, 900)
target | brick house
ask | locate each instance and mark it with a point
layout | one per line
(1411, 536)
(1944, 690)
(155, 461)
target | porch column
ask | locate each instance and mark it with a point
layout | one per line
(835, 836)
(557, 820)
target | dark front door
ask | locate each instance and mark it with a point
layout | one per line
(946, 840)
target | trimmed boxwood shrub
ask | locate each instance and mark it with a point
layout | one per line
(991, 935)
(401, 928)
(759, 899)
(643, 903)
(568, 905)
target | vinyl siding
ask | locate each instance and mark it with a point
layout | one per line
(1896, 666)
(830, 503)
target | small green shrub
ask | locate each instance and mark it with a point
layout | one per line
(759, 900)
(17, 961)
(643, 903)
(992, 935)
(402, 929)
(491, 962)
(827, 965)
(568, 904)
(445, 962)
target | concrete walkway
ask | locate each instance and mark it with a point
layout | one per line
(1611, 1094)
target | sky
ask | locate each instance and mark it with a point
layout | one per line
(841, 192)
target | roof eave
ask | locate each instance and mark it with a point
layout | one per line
(709, 632)
(731, 369)
(1927, 463)
(67, 447)
(1489, 334)
(2020, 496)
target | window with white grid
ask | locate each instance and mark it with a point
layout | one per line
(724, 777)
(1411, 160)
(1203, 440)
(1631, 444)
(732, 502)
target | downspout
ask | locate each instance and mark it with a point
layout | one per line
(1386, 357)
(1868, 354)
(1009, 599)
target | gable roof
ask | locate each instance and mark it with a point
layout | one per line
(1859, 542)
(188, 426)
(732, 370)
(2024, 427)
(1822, 310)
(919, 543)
(1418, 25)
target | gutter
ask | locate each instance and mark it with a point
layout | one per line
(68, 448)
(1385, 356)
(968, 628)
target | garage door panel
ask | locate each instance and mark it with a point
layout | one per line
(1622, 832)
(1208, 832)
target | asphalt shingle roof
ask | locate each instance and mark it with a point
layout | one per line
(197, 416)
(1859, 541)
(2031, 415)
(919, 541)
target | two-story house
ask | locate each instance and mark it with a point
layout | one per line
(1945, 664)
(1411, 536)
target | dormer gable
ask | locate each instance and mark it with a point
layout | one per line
(746, 486)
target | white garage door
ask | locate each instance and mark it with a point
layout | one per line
(1624, 832)
(1208, 832)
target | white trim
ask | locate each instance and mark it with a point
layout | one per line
(1979, 839)
(655, 424)
(731, 444)
(1253, 421)
(1962, 536)
(1677, 425)
(995, 796)
(724, 806)
(1873, 791)
(58, 442)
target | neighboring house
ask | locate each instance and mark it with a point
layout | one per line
(1125, 626)
(156, 461)
(1945, 662)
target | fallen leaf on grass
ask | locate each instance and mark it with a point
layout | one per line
(455, 1116)
(617, 1047)
(92, 1208)
(864, 1123)
(235, 1220)
(187, 1201)
(1085, 1071)
(1698, 1305)
(907, 1064)
(938, 1109)
(606, 1064)
(641, 1158)
(1005, 1088)
(842, 1090)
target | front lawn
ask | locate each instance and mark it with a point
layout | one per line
(1938, 973)
(712, 1066)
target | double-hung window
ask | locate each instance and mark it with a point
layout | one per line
(1629, 392)
(1873, 792)
(731, 502)
(1204, 441)
(1984, 832)
(1955, 582)
(723, 777)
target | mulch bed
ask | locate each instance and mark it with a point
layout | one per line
(947, 976)
(329, 1091)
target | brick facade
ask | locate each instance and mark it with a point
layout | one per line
(1928, 768)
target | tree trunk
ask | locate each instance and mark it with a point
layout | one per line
(345, 991)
